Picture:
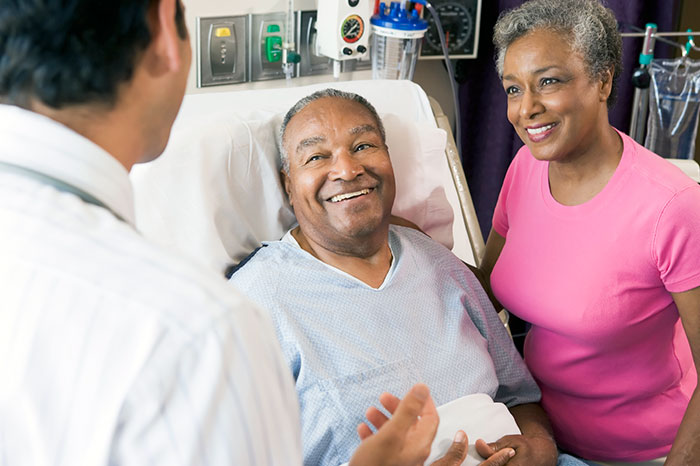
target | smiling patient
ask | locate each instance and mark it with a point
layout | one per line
(361, 306)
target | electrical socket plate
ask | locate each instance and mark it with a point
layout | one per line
(221, 50)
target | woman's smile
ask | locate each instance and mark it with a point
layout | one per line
(555, 106)
(538, 133)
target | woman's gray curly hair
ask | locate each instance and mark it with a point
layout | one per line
(589, 25)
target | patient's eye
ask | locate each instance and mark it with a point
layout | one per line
(363, 146)
(314, 158)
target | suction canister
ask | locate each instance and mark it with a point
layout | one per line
(397, 35)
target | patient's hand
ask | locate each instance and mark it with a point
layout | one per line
(535, 447)
(405, 439)
(526, 451)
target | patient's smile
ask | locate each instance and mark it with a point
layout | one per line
(340, 181)
(343, 197)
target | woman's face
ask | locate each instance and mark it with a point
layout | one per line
(553, 104)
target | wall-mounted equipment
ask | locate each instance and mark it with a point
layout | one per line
(221, 50)
(358, 64)
(312, 62)
(266, 46)
(460, 20)
(343, 28)
(396, 41)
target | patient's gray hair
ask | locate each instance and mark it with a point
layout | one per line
(299, 106)
(589, 25)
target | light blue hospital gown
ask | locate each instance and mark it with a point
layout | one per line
(346, 343)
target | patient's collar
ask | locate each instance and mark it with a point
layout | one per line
(290, 239)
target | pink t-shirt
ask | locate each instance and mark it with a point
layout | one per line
(606, 345)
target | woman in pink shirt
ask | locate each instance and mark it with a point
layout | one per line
(596, 243)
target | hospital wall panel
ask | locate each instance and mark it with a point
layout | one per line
(212, 8)
(430, 75)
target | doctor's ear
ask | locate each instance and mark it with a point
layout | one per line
(168, 31)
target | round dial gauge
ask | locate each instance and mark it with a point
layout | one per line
(352, 29)
(458, 24)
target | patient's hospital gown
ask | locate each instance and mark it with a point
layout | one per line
(346, 342)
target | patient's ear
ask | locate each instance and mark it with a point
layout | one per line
(285, 183)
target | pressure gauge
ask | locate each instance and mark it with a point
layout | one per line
(460, 22)
(457, 24)
(352, 29)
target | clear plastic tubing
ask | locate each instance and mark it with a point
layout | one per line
(288, 45)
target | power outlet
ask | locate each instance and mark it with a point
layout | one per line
(221, 50)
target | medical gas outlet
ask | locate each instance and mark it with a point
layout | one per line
(267, 46)
(343, 28)
(273, 44)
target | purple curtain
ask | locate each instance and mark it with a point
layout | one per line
(488, 140)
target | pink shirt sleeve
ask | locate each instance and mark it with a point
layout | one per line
(676, 245)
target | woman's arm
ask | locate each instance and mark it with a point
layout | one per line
(686, 447)
(494, 246)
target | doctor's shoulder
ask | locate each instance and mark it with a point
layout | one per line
(180, 291)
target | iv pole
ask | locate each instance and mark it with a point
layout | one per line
(641, 78)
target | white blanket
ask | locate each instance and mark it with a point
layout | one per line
(479, 417)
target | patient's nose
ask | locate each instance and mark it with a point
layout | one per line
(345, 166)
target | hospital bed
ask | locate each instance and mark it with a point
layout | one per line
(215, 193)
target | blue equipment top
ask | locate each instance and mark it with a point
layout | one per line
(398, 18)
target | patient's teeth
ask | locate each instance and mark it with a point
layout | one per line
(342, 197)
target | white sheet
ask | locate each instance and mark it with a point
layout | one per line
(479, 417)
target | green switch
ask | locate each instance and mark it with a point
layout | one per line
(273, 47)
(273, 28)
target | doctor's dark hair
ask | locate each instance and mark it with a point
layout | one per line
(589, 27)
(65, 52)
(301, 104)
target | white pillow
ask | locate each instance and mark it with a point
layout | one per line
(416, 150)
(215, 193)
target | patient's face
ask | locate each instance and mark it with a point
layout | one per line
(340, 181)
